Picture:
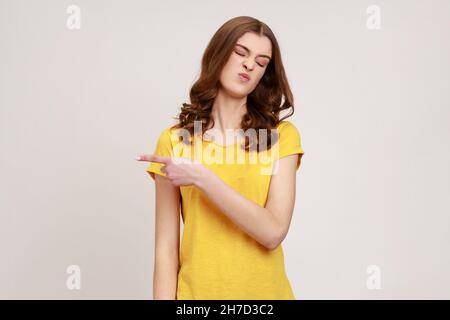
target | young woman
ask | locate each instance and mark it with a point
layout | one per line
(235, 214)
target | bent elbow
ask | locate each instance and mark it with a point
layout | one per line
(275, 241)
(273, 245)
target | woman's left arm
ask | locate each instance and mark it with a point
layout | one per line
(268, 225)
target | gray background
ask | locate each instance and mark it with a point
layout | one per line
(76, 106)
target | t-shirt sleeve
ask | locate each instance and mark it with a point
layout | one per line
(289, 141)
(163, 148)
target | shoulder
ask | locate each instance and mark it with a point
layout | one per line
(289, 138)
(166, 141)
(287, 128)
(169, 135)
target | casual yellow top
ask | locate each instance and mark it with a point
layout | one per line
(217, 259)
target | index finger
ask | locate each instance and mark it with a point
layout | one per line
(154, 158)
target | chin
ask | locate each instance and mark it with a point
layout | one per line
(236, 91)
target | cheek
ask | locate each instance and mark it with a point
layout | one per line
(235, 60)
(258, 76)
(233, 65)
(229, 67)
(230, 70)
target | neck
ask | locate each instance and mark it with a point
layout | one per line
(228, 111)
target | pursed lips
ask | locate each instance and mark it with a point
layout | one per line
(245, 76)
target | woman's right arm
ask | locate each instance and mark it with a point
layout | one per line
(167, 239)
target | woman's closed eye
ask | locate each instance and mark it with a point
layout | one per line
(242, 54)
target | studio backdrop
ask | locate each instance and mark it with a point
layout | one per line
(87, 85)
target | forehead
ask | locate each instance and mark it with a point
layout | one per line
(256, 43)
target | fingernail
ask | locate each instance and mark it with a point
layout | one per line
(137, 157)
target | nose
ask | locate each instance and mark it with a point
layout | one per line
(248, 64)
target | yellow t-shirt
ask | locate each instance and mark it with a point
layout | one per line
(217, 259)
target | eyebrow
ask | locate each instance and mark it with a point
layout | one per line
(248, 50)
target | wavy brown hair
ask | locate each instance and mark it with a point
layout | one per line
(264, 103)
